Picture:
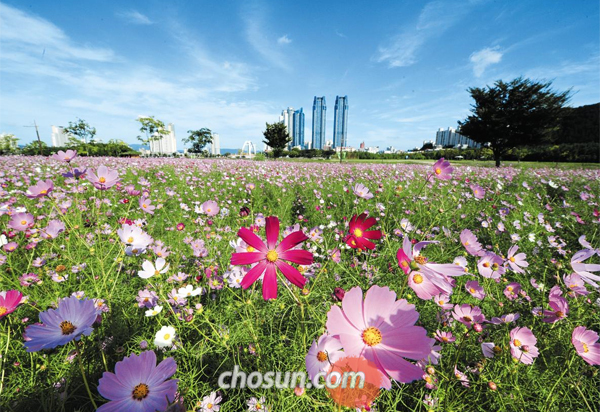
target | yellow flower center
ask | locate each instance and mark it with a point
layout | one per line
(102, 180)
(208, 210)
(438, 171)
(512, 259)
(43, 192)
(372, 336)
(3, 310)
(585, 348)
(517, 342)
(209, 406)
(495, 267)
(467, 318)
(321, 356)
(420, 259)
(418, 279)
(140, 392)
(67, 327)
(445, 339)
(156, 273)
(272, 256)
(130, 239)
(466, 243)
(486, 264)
(23, 222)
(250, 249)
(358, 232)
(144, 205)
(471, 290)
(404, 264)
(167, 336)
(559, 314)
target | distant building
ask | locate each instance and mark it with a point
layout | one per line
(340, 122)
(215, 146)
(59, 137)
(294, 122)
(450, 138)
(362, 145)
(166, 144)
(319, 116)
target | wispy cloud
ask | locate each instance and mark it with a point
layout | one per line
(253, 15)
(134, 17)
(435, 18)
(484, 58)
(284, 40)
(340, 34)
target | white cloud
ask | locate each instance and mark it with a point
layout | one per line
(284, 40)
(484, 58)
(134, 17)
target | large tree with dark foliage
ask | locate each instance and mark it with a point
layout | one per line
(81, 130)
(520, 112)
(199, 139)
(277, 138)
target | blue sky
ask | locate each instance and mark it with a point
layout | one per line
(231, 66)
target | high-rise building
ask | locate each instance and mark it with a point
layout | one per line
(451, 138)
(318, 122)
(167, 144)
(294, 122)
(215, 146)
(59, 137)
(340, 122)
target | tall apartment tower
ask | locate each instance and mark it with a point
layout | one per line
(166, 144)
(318, 122)
(59, 137)
(294, 122)
(340, 122)
(215, 146)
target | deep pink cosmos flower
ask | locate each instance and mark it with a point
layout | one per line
(362, 191)
(9, 301)
(586, 344)
(322, 354)
(21, 221)
(584, 269)
(104, 178)
(139, 385)
(516, 262)
(271, 257)
(442, 169)
(478, 192)
(382, 330)
(522, 345)
(359, 236)
(469, 241)
(468, 314)
(40, 189)
(64, 156)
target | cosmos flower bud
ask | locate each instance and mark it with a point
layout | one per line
(338, 294)
(477, 327)
(492, 385)
(244, 211)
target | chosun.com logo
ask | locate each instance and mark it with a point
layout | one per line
(353, 382)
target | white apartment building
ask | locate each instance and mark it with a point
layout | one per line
(215, 146)
(165, 145)
(59, 137)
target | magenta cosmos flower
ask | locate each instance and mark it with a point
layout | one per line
(522, 345)
(467, 314)
(360, 237)
(442, 169)
(21, 221)
(72, 319)
(382, 330)
(40, 189)
(586, 345)
(271, 257)
(9, 301)
(515, 260)
(104, 178)
(64, 156)
(139, 385)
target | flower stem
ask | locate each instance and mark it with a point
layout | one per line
(87, 386)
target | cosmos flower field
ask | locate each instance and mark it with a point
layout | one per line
(133, 284)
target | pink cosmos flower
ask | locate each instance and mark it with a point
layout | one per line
(586, 345)
(512, 290)
(104, 178)
(64, 156)
(444, 337)
(462, 377)
(362, 191)
(490, 266)
(475, 289)
(469, 241)
(146, 205)
(478, 192)
(516, 262)
(210, 207)
(443, 301)
(21, 221)
(560, 309)
(488, 349)
(271, 257)
(584, 269)
(467, 314)
(9, 300)
(382, 330)
(507, 318)
(442, 169)
(54, 228)
(522, 345)
(422, 285)
(326, 351)
(40, 189)
(576, 284)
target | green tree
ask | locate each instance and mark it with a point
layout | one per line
(277, 138)
(152, 128)
(199, 139)
(517, 113)
(82, 130)
(8, 144)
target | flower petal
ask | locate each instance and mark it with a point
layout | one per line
(272, 230)
(251, 239)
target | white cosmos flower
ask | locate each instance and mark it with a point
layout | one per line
(150, 270)
(189, 291)
(154, 311)
(164, 337)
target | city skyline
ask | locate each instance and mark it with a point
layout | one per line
(230, 67)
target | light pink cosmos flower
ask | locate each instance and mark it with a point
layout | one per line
(462, 377)
(21, 221)
(322, 353)
(488, 349)
(490, 266)
(504, 319)
(444, 337)
(584, 269)
(586, 345)
(362, 191)
(210, 207)
(443, 301)
(54, 228)
(475, 289)
(149, 269)
(64, 156)
(442, 169)
(469, 241)
(478, 192)
(382, 330)
(133, 236)
(468, 314)
(516, 262)
(560, 309)
(146, 205)
(522, 345)
(40, 189)
(576, 284)
(104, 178)
(511, 291)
